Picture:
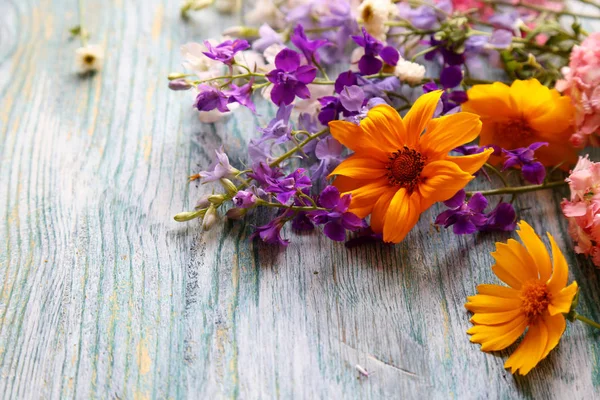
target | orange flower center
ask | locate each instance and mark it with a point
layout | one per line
(536, 298)
(404, 168)
(514, 130)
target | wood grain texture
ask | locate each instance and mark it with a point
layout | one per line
(103, 295)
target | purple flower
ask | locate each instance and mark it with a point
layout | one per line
(352, 98)
(344, 79)
(225, 51)
(451, 100)
(271, 232)
(328, 151)
(466, 218)
(179, 84)
(279, 127)
(264, 174)
(451, 76)
(306, 46)
(267, 37)
(290, 78)
(337, 219)
(285, 188)
(210, 98)
(502, 218)
(524, 157)
(330, 109)
(369, 63)
(220, 168)
(425, 16)
(501, 38)
(241, 94)
(450, 56)
(244, 199)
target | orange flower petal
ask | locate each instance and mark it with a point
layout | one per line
(448, 132)
(441, 180)
(556, 327)
(496, 318)
(380, 209)
(561, 302)
(358, 166)
(420, 114)
(353, 137)
(536, 248)
(488, 304)
(498, 291)
(401, 216)
(513, 264)
(471, 163)
(385, 127)
(530, 97)
(560, 269)
(555, 120)
(498, 337)
(365, 197)
(530, 351)
(492, 99)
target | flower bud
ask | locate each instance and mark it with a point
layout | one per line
(210, 218)
(228, 6)
(229, 187)
(179, 84)
(216, 199)
(176, 75)
(203, 202)
(236, 213)
(189, 215)
(241, 32)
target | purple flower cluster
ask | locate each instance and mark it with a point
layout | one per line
(289, 78)
(533, 171)
(468, 217)
(369, 63)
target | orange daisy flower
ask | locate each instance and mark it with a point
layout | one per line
(536, 299)
(524, 113)
(397, 171)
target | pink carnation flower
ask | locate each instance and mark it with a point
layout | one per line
(583, 209)
(582, 84)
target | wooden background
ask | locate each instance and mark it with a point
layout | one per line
(103, 295)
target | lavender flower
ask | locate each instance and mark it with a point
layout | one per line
(225, 51)
(271, 232)
(329, 152)
(279, 127)
(285, 188)
(524, 157)
(264, 174)
(241, 94)
(306, 46)
(210, 98)
(244, 199)
(344, 79)
(352, 98)
(369, 63)
(501, 218)
(337, 219)
(220, 168)
(268, 37)
(466, 218)
(290, 78)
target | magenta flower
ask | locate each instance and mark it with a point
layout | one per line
(306, 46)
(271, 233)
(464, 217)
(241, 94)
(290, 78)
(210, 98)
(225, 51)
(337, 219)
(285, 188)
(369, 63)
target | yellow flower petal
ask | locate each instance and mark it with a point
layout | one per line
(420, 114)
(448, 132)
(556, 327)
(358, 166)
(530, 351)
(561, 302)
(471, 163)
(560, 269)
(513, 260)
(401, 216)
(536, 248)
(496, 318)
(441, 180)
(380, 209)
(353, 137)
(498, 337)
(492, 99)
(487, 304)
(364, 197)
(385, 127)
(498, 291)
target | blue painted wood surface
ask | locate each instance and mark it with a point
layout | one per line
(103, 295)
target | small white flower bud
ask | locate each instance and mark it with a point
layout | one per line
(210, 218)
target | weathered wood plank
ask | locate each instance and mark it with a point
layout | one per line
(103, 295)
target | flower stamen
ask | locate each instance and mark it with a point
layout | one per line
(405, 167)
(536, 298)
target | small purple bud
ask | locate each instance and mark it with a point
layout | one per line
(179, 84)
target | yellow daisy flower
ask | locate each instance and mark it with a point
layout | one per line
(536, 300)
(401, 167)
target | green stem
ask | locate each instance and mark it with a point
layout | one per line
(247, 75)
(587, 321)
(296, 148)
(423, 52)
(497, 173)
(519, 189)
(293, 208)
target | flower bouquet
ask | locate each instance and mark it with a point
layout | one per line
(407, 120)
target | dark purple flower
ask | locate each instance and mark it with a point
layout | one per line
(290, 78)
(533, 171)
(306, 46)
(369, 63)
(466, 218)
(450, 56)
(337, 219)
(210, 98)
(450, 99)
(225, 51)
(241, 94)
(344, 79)
(279, 128)
(285, 188)
(264, 174)
(271, 232)
(451, 76)
(502, 218)
(244, 199)
(301, 222)
(330, 109)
